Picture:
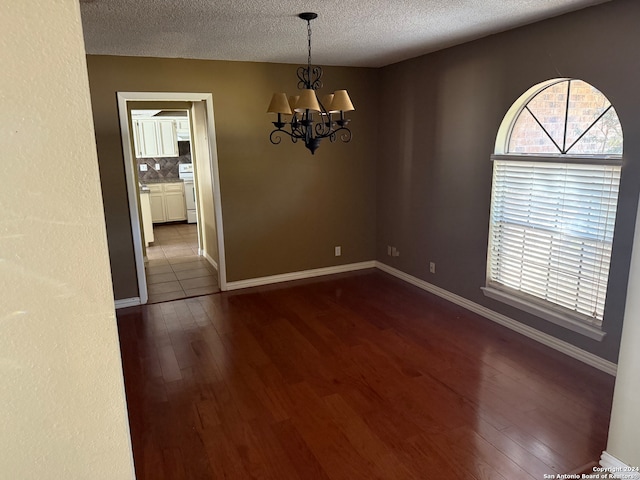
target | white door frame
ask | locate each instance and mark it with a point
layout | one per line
(132, 190)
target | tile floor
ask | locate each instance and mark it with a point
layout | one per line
(174, 269)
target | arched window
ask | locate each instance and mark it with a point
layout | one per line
(556, 172)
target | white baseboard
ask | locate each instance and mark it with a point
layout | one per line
(286, 277)
(544, 338)
(209, 259)
(618, 468)
(128, 302)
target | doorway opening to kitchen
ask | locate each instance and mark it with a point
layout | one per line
(174, 268)
(173, 190)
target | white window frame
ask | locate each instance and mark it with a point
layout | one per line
(556, 314)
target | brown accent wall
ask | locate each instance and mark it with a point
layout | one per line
(284, 210)
(434, 173)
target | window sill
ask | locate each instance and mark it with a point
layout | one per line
(548, 314)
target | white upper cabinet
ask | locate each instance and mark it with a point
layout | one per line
(182, 128)
(168, 139)
(155, 138)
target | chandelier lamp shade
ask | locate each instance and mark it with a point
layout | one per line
(306, 118)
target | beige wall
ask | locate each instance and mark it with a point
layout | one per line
(434, 172)
(283, 209)
(63, 412)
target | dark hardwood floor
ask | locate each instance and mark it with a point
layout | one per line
(357, 376)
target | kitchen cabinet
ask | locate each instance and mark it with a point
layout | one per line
(156, 200)
(155, 137)
(175, 207)
(167, 202)
(182, 129)
(147, 222)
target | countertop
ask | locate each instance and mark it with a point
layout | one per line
(161, 180)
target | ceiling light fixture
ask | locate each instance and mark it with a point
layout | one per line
(302, 125)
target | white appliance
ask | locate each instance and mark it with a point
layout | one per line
(185, 172)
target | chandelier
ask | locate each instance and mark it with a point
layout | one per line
(302, 125)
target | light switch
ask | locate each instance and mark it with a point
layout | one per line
(143, 167)
(157, 166)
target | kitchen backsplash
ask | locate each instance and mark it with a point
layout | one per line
(168, 166)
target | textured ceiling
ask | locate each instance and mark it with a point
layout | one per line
(369, 33)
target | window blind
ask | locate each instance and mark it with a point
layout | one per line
(551, 232)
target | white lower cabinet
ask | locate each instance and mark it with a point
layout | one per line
(156, 198)
(147, 225)
(167, 202)
(175, 208)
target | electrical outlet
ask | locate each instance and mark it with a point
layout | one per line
(338, 251)
(143, 167)
(432, 267)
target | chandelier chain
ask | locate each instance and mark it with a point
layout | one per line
(309, 40)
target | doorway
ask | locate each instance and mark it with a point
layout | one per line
(164, 165)
(184, 259)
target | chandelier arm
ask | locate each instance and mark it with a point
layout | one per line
(345, 135)
(322, 130)
(298, 130)
(325, 125)
(274, 136)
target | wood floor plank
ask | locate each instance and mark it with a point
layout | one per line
(301, 457)
(539, 449)
(433, 457)
(223, 457)
(472, 447)
(365, 441)
(279, 464)
(514, 451)
(325, 439)
(353, 376)
(172, 464)
(169, 364)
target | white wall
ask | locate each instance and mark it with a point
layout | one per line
(62, 404)
(624, 429)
